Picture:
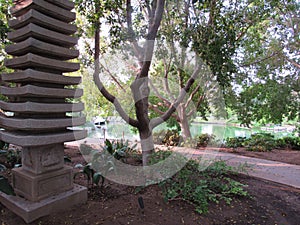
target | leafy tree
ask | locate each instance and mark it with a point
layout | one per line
(268, 77)
(94, 103)
(201, 28)
(4, 16)
(126, 29)
(216, 31)
(212, 32)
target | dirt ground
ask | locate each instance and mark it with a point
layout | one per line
(269, 204)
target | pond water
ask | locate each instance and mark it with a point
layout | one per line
(220, 131)
(120, 130)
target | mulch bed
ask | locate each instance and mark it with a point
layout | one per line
(270, 203)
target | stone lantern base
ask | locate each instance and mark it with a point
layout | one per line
(31, 211)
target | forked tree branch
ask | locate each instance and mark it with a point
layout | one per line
(157, 17)
(113, 100)
(157, 110)
(157, 94)
(192, 95)
(156, 121)
(100, 85)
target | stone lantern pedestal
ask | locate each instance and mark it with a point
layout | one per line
(41, 117)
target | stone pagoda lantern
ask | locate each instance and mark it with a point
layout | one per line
(41, 113)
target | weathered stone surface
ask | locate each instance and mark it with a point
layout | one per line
(33, 16)
(45, 7)
(37, 103)
(40, 33)
(34, 107)
(30, 75)
(36, 187)
(35, 61)
(42, 159)
(41, 48)
(27, 140)
(36, 91)
(31, 211)
(66, 4)
(12, 123)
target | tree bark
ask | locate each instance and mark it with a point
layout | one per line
(183, 122)
(146, 144)
(140, 90)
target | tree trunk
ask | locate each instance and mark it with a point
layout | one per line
(146, 144)
(183, 122)
(140, 91)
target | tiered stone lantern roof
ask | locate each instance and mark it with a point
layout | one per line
(39, 92)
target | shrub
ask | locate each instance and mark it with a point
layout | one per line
(235, 142)
(289, 142)
(3, 145)
(101, 163)
(12, 157)
(119, 149)
(204, 140)
(198, 188)
(167, 137)
(159, 156)
(172, 138)
(91, 175)
(260, 142)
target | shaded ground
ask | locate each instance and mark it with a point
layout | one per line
(269, 204)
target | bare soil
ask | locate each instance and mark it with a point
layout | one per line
(269, 204)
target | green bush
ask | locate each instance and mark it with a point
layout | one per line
(289, 142)
(91, 175)
(13, 157)
(235, 142)
(167, 137)
(3, 145)
(199, 188)
(261, 142)
(101, 163)
(119, 149)
(203, 140)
